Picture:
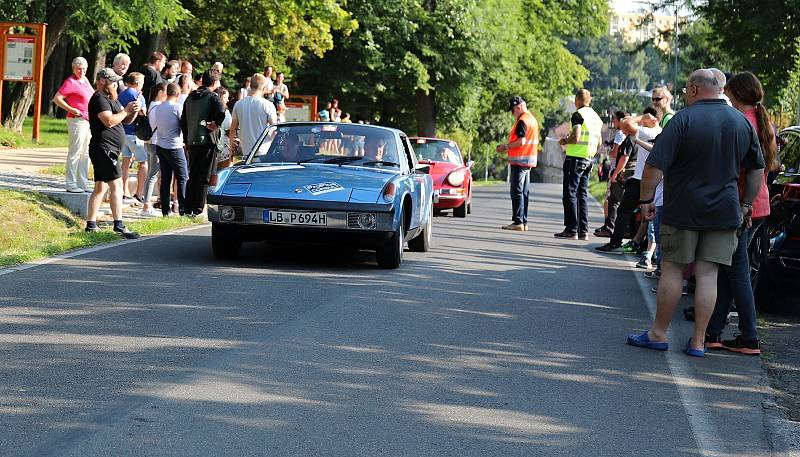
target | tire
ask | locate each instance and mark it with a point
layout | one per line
(763, 288)
(422, 242)
(460, 211)
(225, 244)
(469, 202)
(390, 255)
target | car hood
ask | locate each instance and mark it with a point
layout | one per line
(440, 170)
(328, 183)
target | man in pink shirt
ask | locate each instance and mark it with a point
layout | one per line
(73, 97)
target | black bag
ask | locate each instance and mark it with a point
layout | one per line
(143, 130)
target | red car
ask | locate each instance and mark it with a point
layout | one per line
(452, 178)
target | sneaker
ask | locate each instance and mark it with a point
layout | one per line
(713, 340)
(742, 346)
(608, 247)
(92, 229)
(125, 233)
(583, 236)
(149, 212)
(644, 263)
(630, 248)
(138, 198)
(515, 227)
(603, 233)
(655, 274)
(566, 235)
(75, 190)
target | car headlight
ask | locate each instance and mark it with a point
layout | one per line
(456, 178)
(226, 213)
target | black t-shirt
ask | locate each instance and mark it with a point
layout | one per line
(701, 151)
(151, 78)
(520, 129)
(627, 148)
(576, 119)
(107, 140)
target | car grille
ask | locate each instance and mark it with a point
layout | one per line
(352, 221)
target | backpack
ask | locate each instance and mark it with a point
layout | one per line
(143, 130)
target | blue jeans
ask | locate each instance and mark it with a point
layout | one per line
(172, 161)
(520, 182)
(733, 285)
(576, 194)
(657, 234)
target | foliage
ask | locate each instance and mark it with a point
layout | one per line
(606, 101)
(465, 54)
(250, 35)
(789, 95)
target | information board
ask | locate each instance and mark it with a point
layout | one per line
(18, 65)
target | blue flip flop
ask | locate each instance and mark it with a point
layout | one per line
(643, 341)
(694, 352)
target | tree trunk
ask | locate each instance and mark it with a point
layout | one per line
(426, 113)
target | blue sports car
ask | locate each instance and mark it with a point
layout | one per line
(312, 182)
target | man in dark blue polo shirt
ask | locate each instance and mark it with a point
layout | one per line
(699, 154)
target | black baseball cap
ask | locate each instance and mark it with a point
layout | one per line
(515, 100)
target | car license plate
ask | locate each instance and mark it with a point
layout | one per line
(272, 216)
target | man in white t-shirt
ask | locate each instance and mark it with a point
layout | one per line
(251, 115)
(645, 128)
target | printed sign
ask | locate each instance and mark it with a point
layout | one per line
(18, 65)
(323, 188)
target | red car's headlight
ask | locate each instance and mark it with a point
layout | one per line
(456, 178)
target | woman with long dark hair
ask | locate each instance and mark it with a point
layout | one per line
(733, 284)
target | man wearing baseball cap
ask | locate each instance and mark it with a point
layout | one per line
(106, 117)
(522, 148)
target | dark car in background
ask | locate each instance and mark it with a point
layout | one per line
(775, 250)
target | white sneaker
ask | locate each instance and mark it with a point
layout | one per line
(149, 212)
(75, 190)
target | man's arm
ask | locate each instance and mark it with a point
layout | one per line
(621, 162)
(109, 119)
(573, 136)
(647, 190)
(61, 102)
(234, 128)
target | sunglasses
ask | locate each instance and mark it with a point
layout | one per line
(657, 99)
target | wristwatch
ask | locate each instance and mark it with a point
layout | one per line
(747, 205)
(646, 202)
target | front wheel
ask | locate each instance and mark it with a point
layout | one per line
(422, 242)
(225, 244)
(390, 255)
(461, 211)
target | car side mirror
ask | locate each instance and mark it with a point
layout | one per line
(470, 163)
(425, 169)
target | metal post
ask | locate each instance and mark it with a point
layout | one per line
(675, 85)
(486, 163)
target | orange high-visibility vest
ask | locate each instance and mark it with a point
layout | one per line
(525, 155)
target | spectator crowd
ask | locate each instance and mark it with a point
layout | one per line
(175, 125)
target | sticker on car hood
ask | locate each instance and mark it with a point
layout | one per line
(323, 188)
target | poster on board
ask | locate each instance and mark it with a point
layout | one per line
(18, 65)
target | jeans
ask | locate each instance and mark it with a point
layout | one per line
(576, 194)
(630, 201)
(657, 233)
(152, 171)
(201, 158)
(614, 196)
(172, 161)
(733, 285)
(520, 182)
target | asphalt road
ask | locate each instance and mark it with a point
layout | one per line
(494, 343)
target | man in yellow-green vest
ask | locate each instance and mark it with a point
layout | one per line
(581, 146)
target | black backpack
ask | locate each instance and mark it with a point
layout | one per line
(143, 130)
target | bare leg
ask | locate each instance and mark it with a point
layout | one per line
(669, 293)
(126, 166)
(141, 179)
(705, 297)
(95, 199)
(116, 198)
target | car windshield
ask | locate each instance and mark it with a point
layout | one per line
(343, 144)
(437, 150)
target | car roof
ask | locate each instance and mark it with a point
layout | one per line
(297, 123)
(791, 129)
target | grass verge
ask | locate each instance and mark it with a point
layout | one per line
(491, 182)
(52, 134)
(597, 188)
(32, 226)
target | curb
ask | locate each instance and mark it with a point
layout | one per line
(95, 248)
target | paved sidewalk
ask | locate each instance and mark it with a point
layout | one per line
(31, 160)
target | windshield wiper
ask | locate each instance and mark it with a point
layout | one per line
(381, 162)
(343, 160)
(315, 158)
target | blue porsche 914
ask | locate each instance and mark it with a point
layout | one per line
(325, 183)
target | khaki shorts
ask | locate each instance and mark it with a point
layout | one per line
(686, 246)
